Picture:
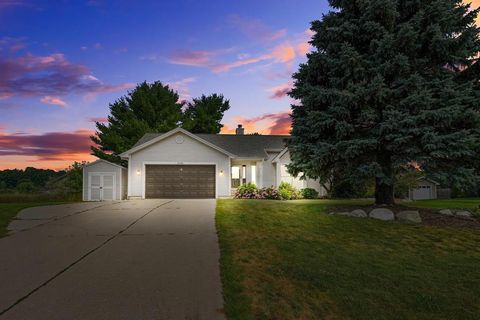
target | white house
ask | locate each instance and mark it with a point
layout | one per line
(180, 164)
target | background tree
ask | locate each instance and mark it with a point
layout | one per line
(384, 87)
(203, 115)
(150, 107)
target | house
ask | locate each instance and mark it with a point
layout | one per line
(180, 164)
(425, 189)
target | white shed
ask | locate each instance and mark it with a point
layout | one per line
(426, 189)
(104, 181)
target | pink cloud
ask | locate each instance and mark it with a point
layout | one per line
(98, 119)
(54, 100)
(47, 146)
(280, 91)
(51, 75)
(191, 58)
(182, 87)
(256, 29)
(223, 67)
(270, 123)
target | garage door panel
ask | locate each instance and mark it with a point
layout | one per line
(180, 181)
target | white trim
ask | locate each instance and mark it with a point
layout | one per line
(101, 160)
(145, 163)
(278, 156)
(129, 181)
(101, 174)
(170, 133)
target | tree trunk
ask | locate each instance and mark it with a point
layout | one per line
(384, 187)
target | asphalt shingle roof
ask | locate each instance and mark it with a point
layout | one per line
(243, 146)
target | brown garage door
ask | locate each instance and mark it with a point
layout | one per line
(179, 181)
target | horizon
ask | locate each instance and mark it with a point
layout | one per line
(57, 84)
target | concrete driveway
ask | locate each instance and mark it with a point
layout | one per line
(146, 259)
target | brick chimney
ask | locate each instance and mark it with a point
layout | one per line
(240, 130)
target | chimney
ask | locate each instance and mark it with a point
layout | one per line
(240, 130)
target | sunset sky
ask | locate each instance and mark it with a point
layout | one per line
(62, 62)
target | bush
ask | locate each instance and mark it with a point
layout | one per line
(247, 191)
(309, 193)
(269, 193)
(288, 192)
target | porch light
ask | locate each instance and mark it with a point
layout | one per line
(138, 172)
(221, 173)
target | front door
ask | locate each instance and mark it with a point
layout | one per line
(102, 187)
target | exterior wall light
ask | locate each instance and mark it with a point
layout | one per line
(221, 173)
(138, 172)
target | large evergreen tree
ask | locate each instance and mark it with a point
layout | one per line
(150, 107)
(203, 115)
(384, 87)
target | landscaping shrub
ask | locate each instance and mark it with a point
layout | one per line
(269, 193)
(247, 191)
(288, 192)
(309, 193)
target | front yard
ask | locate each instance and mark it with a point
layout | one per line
(290, 260)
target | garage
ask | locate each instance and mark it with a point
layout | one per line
(179, 181)
(104, 181)
(426, 189)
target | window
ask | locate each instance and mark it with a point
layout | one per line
(254, 174)
(235, 177)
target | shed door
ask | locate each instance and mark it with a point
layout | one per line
(423, 193)
(179, 181)
(102, 186)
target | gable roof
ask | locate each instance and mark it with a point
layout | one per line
(240, 146)
(161, 136)
(105, 161)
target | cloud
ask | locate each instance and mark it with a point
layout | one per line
(4, 4)
(54, 100)
(270, 123)
(51, 75)
(182, 87)
(191, 58)
(7, 106)
(11, 44)
(47, 146)
(281, 91)
(97, 119)
(255, 29)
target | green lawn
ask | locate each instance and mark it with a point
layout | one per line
(9, 210)
(446, 203)
(290, 260)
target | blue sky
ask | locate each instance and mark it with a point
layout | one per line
(64, 61)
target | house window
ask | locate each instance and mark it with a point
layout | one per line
(235, 177)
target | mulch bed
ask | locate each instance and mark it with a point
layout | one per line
(430, 217)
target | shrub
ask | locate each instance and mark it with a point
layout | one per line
(309, 193)
(288, 192)
(247, 191)
(269, 193)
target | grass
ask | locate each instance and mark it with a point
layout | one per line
(466, 203)
(290, 260)
(9, 210)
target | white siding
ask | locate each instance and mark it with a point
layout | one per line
(283, 175)
(103, 167)
(169, 151)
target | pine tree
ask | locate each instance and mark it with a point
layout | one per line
(148, 108)
(203, 115)
(386, 86)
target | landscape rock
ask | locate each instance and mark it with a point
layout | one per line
(342, 213)
(358, 213)
(446, 212)
(382, 214)
(409, 216)
(463, 213)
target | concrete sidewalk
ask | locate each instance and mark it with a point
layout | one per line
(151, 259)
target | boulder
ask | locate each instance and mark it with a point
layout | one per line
(463, 213)
(358, 213)
(382, 214)
(409, 216)
(446, 212)
(342, 213)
